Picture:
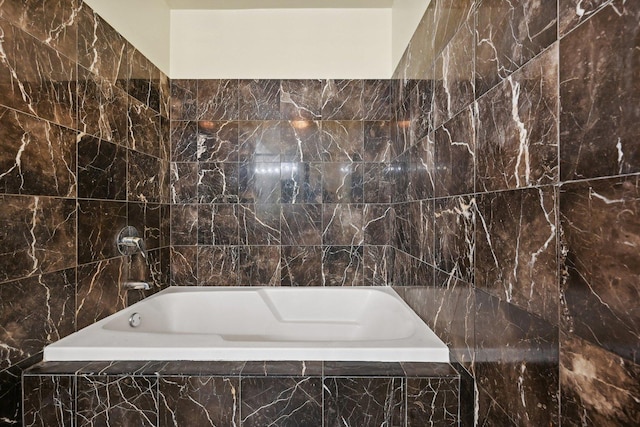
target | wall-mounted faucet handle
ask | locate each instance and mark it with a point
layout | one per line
(129, 242)
(136, 286)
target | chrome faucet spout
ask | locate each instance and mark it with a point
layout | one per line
(136, 286)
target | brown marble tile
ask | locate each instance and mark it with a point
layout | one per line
(199, 401)
(598, 87)
(508, 35)
(183, 183)
(301, 266)
(598, 387)
(377, 141)
(342, 224)
(146, 174)
(216, 99)
(453, 83)
(260, 141)
(300, 99)
(289, 368)
(377, 185)
(301, 225)
(378, 224)
(600, 263)
(259, 266)
(342, 265)
(218, 182)
(259, 99)
(376, 100)
(378, 265)
(281, 401)
(144, 128)
(432, 401)
(184, 224)
(455, 155)
(35, 312)
(184, 95)
(147, 218)
(260, 224)
(49, 400)
(410, 271)
(572, 13)
(102, 108)
(403, 227)
(36, 157)
(102, 169)
(218, 224)
(343, 100)
(301, 141)
(420, 119)
(518, 128)
(184, 265)
(37, 235)
(36, 79)
(363, 401)
(143, 79)
(516, 249)
(422, 173)
(517, 361)
(421, 230)
(342, 182)
(218, 266)
(117, 401)
(99, 292)
(342, 141)
(455, 241)
(217, 141)
(184, 141)
(301, 182)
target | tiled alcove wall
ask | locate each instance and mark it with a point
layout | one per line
(83, 131)
(519, 126)
(280, 182)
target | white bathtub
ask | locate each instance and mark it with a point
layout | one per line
(259, 323)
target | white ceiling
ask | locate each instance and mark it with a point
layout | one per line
(279, 4)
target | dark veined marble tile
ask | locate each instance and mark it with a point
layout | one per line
(420, 120)
(421, 230)
(363, 402)
(433, 401)
(217, 100)
(301, 182)
(35, 312)
(117, 401)
(508, 34)
(260, 224)
(378, 185)
(102, 169)
(518, 128)
(301, 141)
(281, 401)
(11, 390)
(260, 141)
(343, 100)
(101, 49)
(184, 141)
(342, 141)
(402, 227)
(288, 368)
(150, 270)
(430, 369)
(184, 225)
(144, 128)
(184, 266)
(143, 79)
(455, 242)
(378, 224)
(147, 218)
(572, 13)
(376, 100)
(490, 414)
(342, 182)
(377, 141)
(598, 388)
(218, 182)
(199, 401)
(410, 271)
(401, 174)
(102, 108)
(342, 265)
(362, 369)
(183, 182)
(36, 157)
(218, 266)
(343, 224)
(99, 293)
(516, 249)
(218, 224)
(600, 263)
(301, 224)
(217, 141)
(517, 361)
(421, 170)
(146, 174)
(259, 266)
(184, 95)
(260, 183)
(453, 78)
(378, 265)
(37, 235)
(165, 96)
(35, 78)
(301, 266)
(48, 400)
(259, 99)
(301, 99)
(455, 155)
(53, 22)
(600, 92)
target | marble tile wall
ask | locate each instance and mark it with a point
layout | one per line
(516, 125)
(280, 182)
(84, 140)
